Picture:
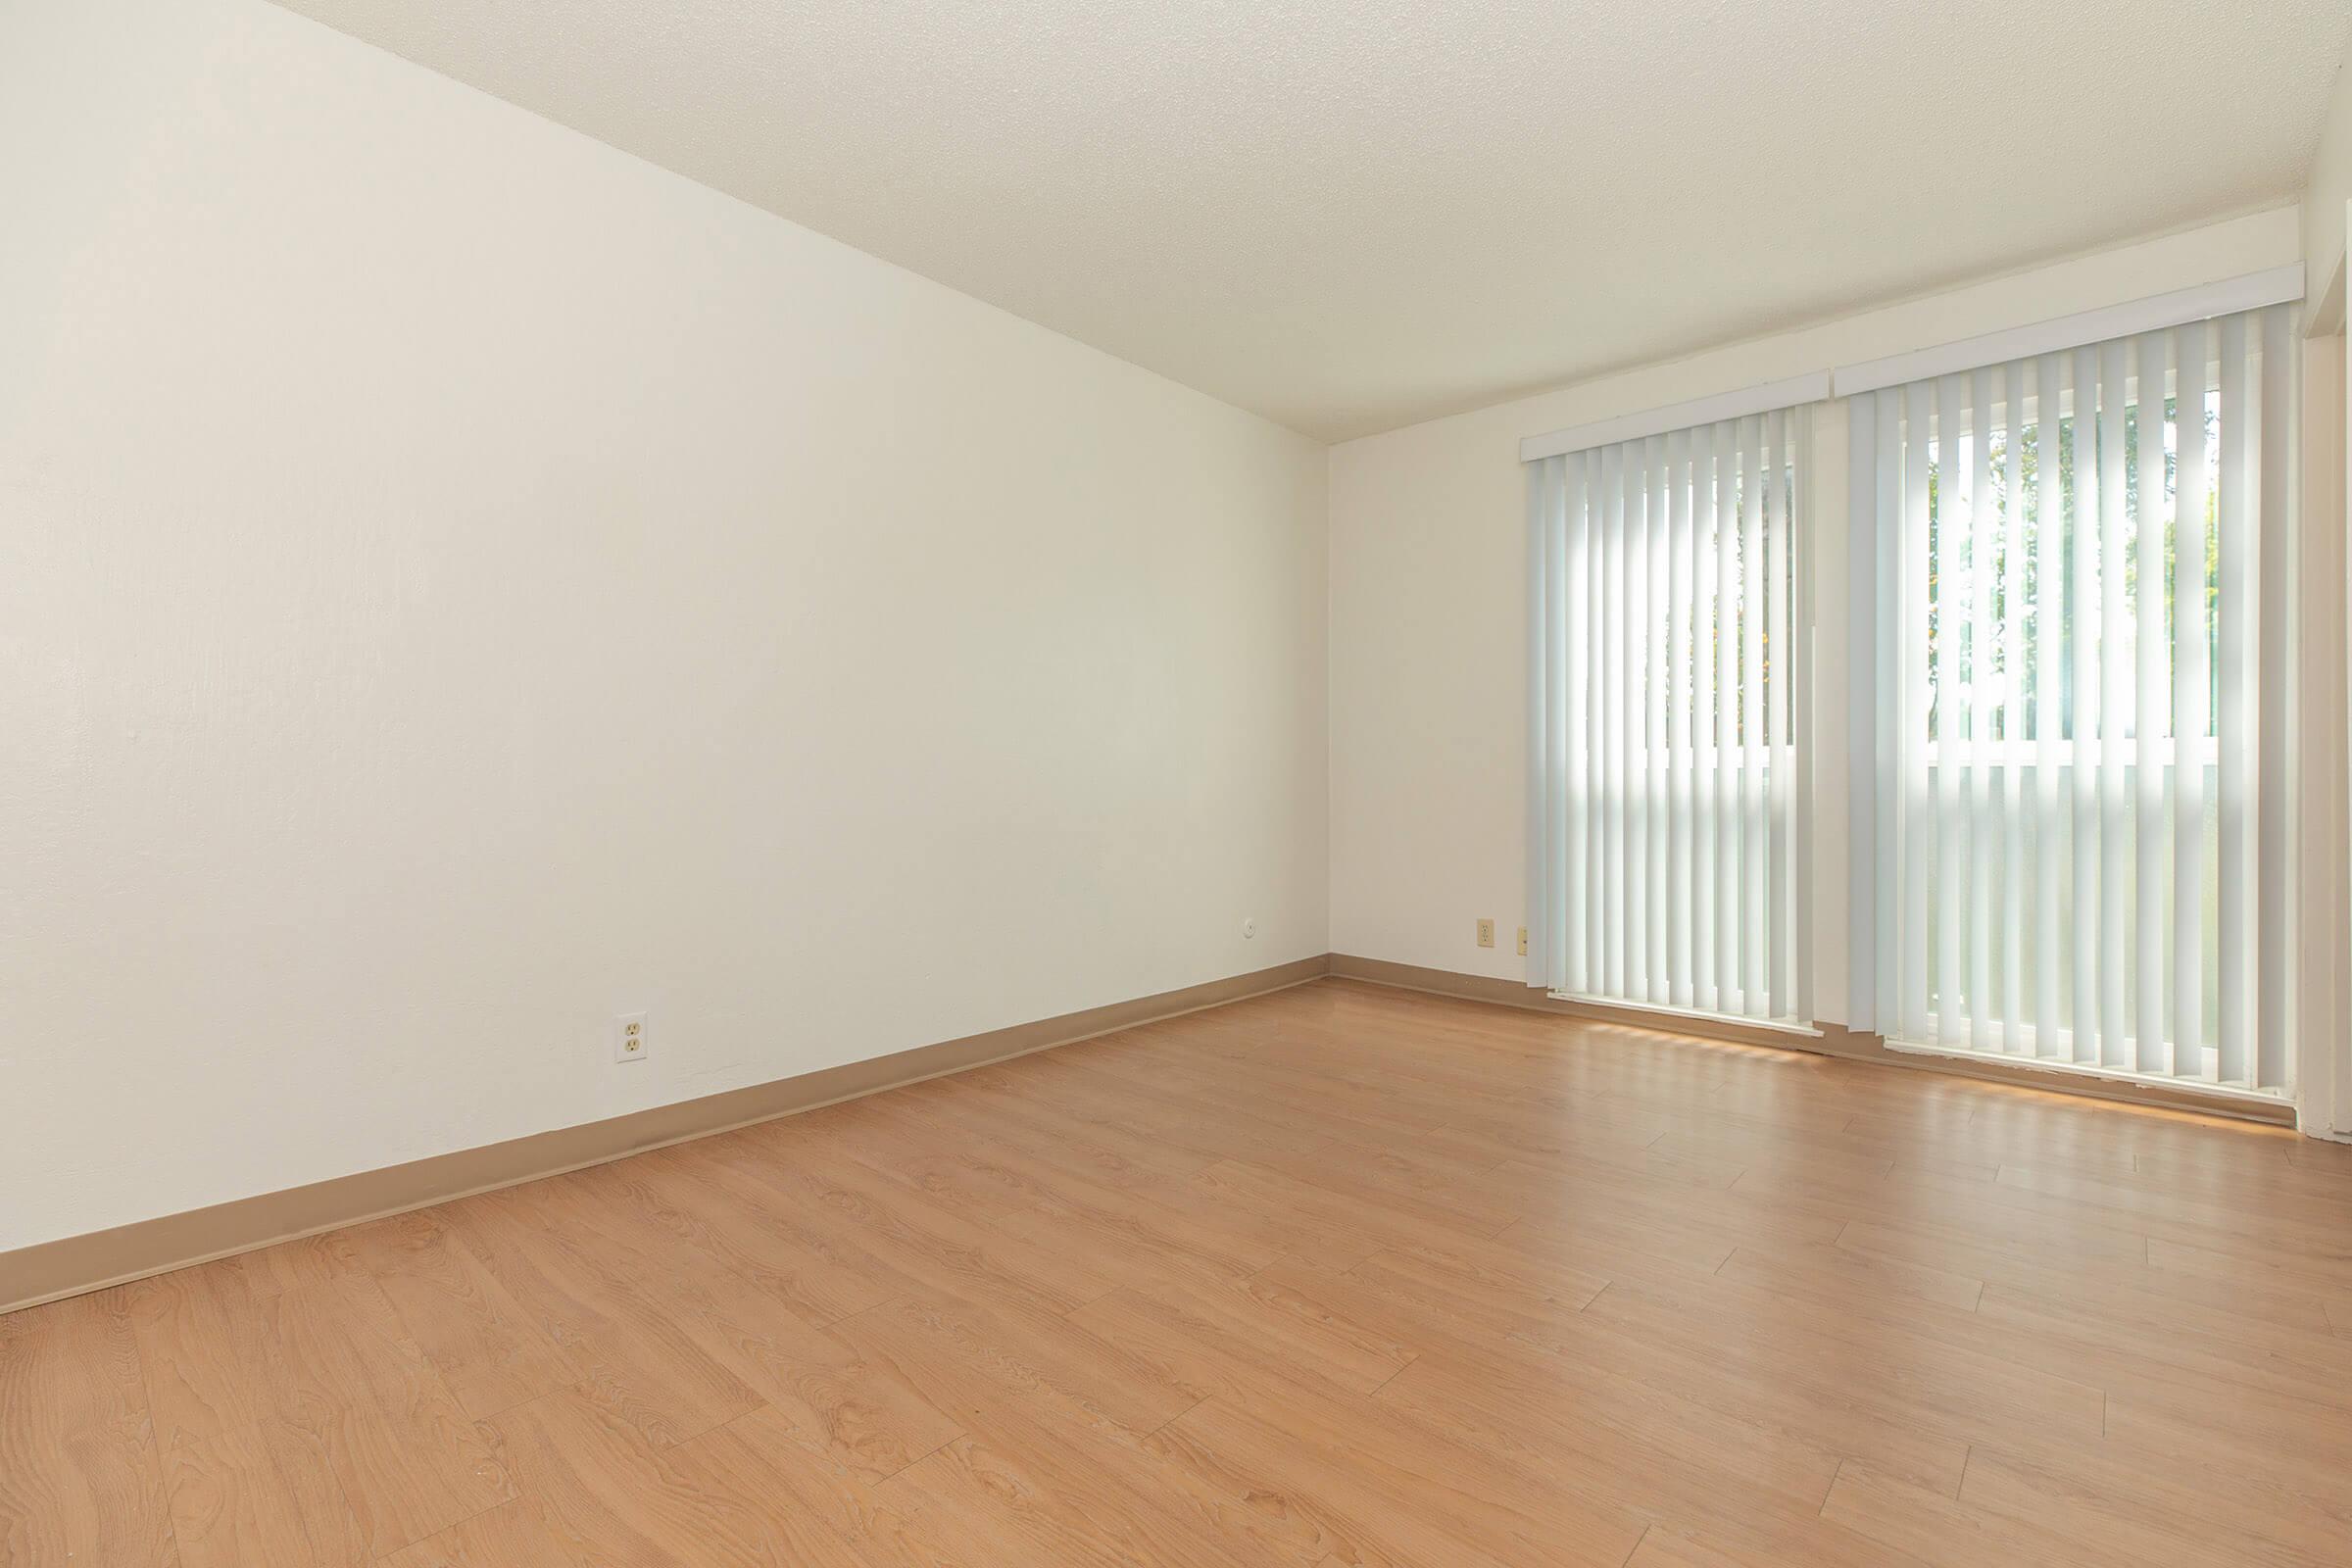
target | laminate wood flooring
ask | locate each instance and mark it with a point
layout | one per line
(1338, 1276)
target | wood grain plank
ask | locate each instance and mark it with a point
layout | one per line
(968, 1358)
(842, 1407)
(604, 1494)
(81, 1478)
(626, 1345)
(486, 1345)
(1345, 1462)
(1246, 1340)
(267, 1491)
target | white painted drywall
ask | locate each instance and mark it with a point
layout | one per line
(2324, 1087)
(2316, 750)
(2330, 187)
(459, 582)
(1427, 606)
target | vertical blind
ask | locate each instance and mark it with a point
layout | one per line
(1662, 822)
(2073, 855)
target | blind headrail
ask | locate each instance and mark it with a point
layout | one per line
(2249, 291)
(1768, 398)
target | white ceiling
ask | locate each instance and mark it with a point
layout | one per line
(1349, 214)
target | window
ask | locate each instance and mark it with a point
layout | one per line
(2070, 838)
(1663, 784)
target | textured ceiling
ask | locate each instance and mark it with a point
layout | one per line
(1350, 215)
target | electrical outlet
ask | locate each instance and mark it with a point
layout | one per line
(1486, 933)
(1523, 942)
(630, 1036)
(1249, 928)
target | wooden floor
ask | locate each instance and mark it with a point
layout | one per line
(1342, 1275)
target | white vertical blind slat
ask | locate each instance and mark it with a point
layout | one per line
(1592, 624)
(1887, 655)
(1612, 737)
(1634, 623)
(1756, 893)
(2152, 709)
(2237, 717)
(2271, 499)
(2008, 697)
(1653, 619)
(1705, 970)
(1795, 801)
(1543, 740)
(1554, 922)
(1976, 689)
(2191, 667)
(1680, 601)
(1778, 669)
(1915, 795)
(2081, 457)
(1866, 911)
(1729, 809)
(2115, 695)
(1949, 756)
(2048, 512)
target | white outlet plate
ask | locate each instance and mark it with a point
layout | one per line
(632, 1037)
(1249, 928)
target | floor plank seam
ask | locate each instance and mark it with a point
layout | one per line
(154, 1449)
(1637, 1546)
(955, 1437)
(1286, 1256)
(1081, 1307)
(847, 1318)
(456, 1523)
(1170, 1421)
(1376, 1388)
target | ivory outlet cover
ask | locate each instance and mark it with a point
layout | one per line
(632, 1037)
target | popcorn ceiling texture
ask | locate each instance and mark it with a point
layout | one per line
(1349, 214)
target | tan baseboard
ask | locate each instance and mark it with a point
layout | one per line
(1512, 994)
(49, 1271)
(1827, 1040)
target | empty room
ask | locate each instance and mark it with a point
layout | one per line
(1364, 784)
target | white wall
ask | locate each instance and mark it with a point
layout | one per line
(2323, 1000)
(1427, 607)
(458, 582)
(2325, 1087)
(2329, 188)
